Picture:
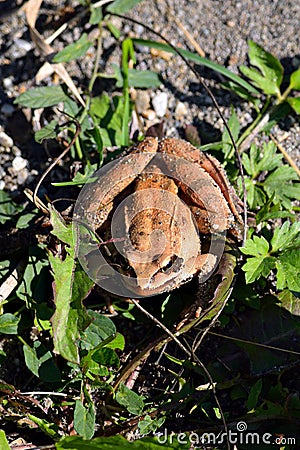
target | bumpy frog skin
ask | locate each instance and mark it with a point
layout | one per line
(178, 197)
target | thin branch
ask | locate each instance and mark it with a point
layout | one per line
(286, 155)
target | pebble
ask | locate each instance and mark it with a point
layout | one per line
(7, 83)
(142, 101)
(2, 172)
(180, 110)
(2, 185)
(149, 114)
(160, 104)
(5, 140)
(7, 109)
(19, 163)
(22, 176)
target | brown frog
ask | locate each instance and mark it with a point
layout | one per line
(170, 206)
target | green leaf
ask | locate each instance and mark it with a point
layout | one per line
(84, 419)
(50, 131)
(295, 80)
(41, 97)
(288, 270)
(49, 428)
(40, 361)
(279, 183)
(130, 400)
(63, 231)
(259, 161)
(285, 236)
(258, 246)
(149, 425)
(71, 286)
(294, 103)
(234, 127)
(270, 74)
(121, 6)
(73, 51)
(3, 441)
(289, 302)
(34, 286)
(255, 195)
(96, 15)
(254, 395)
(9, 324)
(8, 208)
(140, 79)
(25, 219)
(257, 267)
(99, 329)
(199, 60)
(114, 442)
(81, 178)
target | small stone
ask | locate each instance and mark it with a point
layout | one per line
(7, 83)
(22, 176)
(7, 109)
(2, 172)
(230, 23)
(149, 114)
(142, 101)
(2, 185)
(16, 151)
(180, 110)
(5, 140)
(19, 163)
(160, 104)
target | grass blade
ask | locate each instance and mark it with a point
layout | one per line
(201, 61)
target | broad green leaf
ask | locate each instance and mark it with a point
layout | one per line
(164, 442)
(49, 428)
(257, 267)
(84, 419)
(25, 219)
(71, 285)
(199, 60)
(270, 74)
(96, 15)
(234, 127)
(41, 97)
(254, 394)
(255, 195)
(133, 402)
(62, 230)
(261, 160)
(35, 283)
(290, 302)
(121, 6)
(31, 360)
(40, 361)
(9, 324)
(288, 270)
(295, 80)
(50, 131)
(99, 329)
(257, 246)
(74, 50)
(150, 425)
(279, 183)
(294, 103)
(8, 208)
(140, 79)
(285, 236)
(3, 441)
(81, 178)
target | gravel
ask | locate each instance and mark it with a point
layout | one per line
(220, 27)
